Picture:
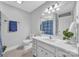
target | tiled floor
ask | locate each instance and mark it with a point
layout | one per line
(19, 53)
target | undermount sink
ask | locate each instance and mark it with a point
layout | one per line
(44, 37)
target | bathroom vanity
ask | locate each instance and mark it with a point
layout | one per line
(57, 47)
(44, 47)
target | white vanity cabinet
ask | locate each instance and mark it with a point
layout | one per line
(62, 53)
(41, 52)
(42, 48)
(45, 50)
(34, 48)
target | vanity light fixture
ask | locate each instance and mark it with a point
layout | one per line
(43, 14)
(19, 1)
(49, 12)
(46, 10)
(56, 5)
(52, 8)
(57, 9)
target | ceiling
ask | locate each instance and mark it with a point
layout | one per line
(66, 7)
(28, 6)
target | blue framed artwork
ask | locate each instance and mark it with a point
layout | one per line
(12, 26)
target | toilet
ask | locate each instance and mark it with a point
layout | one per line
(27, 44)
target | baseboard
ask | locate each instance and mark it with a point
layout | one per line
(11, 48)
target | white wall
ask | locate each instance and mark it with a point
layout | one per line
(77, 11)
(11, 13)
(77, 19)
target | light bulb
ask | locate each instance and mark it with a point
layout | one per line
(56, 5)
(49, 12)
(43, 14)
(50, 8)
(53, 10)
(46, 10)
(19, 2)
(57, 9)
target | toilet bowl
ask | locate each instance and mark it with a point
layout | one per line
(27, 44)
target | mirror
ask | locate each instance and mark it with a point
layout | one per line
(66, 20)
(65, 17)
(74, 27)
(61, 19)
(47, 25)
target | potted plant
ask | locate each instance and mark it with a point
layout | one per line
(67, 35)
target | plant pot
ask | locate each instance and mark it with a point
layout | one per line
(66, 41)
(70, 42)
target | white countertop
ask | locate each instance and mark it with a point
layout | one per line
(58, 43)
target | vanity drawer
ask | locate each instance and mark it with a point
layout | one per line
(41, 52)
(46, 46)
(34, 41)
(49, 54)
(34, 52)
(34, 46)
(61, 53)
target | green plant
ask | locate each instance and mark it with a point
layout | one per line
(4, 48)
(67, 34)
